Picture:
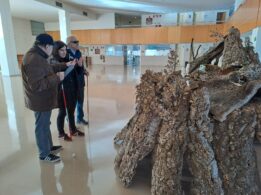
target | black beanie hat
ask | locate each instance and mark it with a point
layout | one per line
(44, 39)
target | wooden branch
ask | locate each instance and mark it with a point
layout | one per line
(207, 57)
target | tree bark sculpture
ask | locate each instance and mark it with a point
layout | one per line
(207, 120)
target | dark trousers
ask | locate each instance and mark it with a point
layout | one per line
(80, 100)
(61, 117)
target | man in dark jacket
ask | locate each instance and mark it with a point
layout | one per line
(40, 86)
(74, 53)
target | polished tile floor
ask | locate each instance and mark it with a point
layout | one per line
(87, 163)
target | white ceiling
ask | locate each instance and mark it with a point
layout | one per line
(156, 6)
(31, 9)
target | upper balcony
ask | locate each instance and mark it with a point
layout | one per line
(182, 30)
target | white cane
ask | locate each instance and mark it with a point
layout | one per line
(66, 72)
(87, 94)
(88, 117)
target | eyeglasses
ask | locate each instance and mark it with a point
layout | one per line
(76, 42)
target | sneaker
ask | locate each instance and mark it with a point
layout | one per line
(77, 133)
(83, 122)
(56, 149)
(50, 158)
(65, 137)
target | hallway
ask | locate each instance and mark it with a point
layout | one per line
(87, 163)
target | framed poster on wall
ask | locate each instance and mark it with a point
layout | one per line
(97, 51)
(149, 21)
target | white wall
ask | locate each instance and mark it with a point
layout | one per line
(92, 48)
(159, 19)
(209, 16)
(96, 58)
(104, 21)
(109, 60)
(204, 48)
(154, 60)
(23, 35)
(183, 53)
(186, 18)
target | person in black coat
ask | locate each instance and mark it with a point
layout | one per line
(74, 53)
(67, 93)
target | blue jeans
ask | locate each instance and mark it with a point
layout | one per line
(79, 105)
(43, 133)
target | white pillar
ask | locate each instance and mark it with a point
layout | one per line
(142, 54)
(8, 59)
(183, 53)
(64, 23)
(238, 3)
(256, 40)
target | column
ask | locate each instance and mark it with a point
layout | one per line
(8, 59)
(238, 3)
(256, 40)
(64, 23)
(142, 54)
(183, 53)
(125, 55)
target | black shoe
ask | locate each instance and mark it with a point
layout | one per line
(61, 135)
(56, 149)
(77, 133)
(65, 137)
(83, 122)
(50, 158)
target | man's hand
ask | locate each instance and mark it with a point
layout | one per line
(71, 63)
(86, 73)
(61, 76)
(80, 61)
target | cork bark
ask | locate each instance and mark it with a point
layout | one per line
(204, 123)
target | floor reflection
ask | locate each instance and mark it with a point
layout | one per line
(112, 101)
(48, 179)
(75, 172)
(12, 115)
(72, 176)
